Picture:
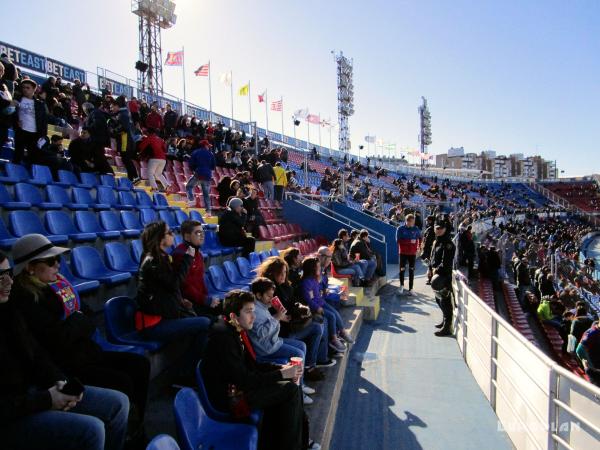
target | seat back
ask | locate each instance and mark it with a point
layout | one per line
(124, 183)
(117, 256)
(274, 252)
(25, 222)
(108, 180)
(169, 218)
(110, 221)
(119, 317)
(189, 418)
(4, 233)
(264, 255)
(25, 192)
(87, 262)
(41, 173)
(16, 171)
(244, 267)
(57, 194)
(232, 273)
(148, 216)
(181, 216)
(195, 215)
(137, 250)
(254, 260)
(59, 222)
(263, 233)
(203, 397)
(66, 176)
(5, 196)
(88, 178)
(105, 194)
(86, 222)
(163, 442)
(160, 199)
(131, 220)
(217, 277)
(126, 198)
(143, 199)
(83, 195)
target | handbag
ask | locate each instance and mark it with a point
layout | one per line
(439, 282)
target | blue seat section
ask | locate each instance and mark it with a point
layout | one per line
(6, 238)
(7, 201)
(68, 177)
(163, 442)
(59, 222)
(109, 180)
(219, 280)
(83, 196)
(181, 216)
(107, 195)
(119, 319)
(124, 184)
(25, 192)
(161, 201)
(212, 291)
(109, 347)
(195, 215)
(144, 200)
(27, 222)
(254, 260)
(264, 255)
(244, 267)
(43, 174)
(86, 221)
(137, 250)
(233, 274)
(110, 221)
(58, 194)
(126, 198)
(18, 173)
(89, 179)
(211, 243)
(88, 265)
(213, 412)
(131, 220)
(168, 217)
(274, 252)
(195, 429)
(82, 286)
(118, 257)
(148, 216)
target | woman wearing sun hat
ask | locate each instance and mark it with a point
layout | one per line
(52, 310)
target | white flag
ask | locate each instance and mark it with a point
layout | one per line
(225, 78)
(370, 139)
(301, 113)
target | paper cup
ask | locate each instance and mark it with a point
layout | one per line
(296, 361)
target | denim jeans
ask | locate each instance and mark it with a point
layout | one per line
(269, 189)
(334, 320)
(204, 185)
(289, 349)
(311, 336)
(355, 270)
(97, 422)
(368, 267)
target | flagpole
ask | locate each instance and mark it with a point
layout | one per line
(249, 103)
(231, 86)
(266, 99)
(282, 133)
(210, 92)
(183, 70)
(319, 129)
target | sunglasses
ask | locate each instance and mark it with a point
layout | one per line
(50, 261)
(7, 273)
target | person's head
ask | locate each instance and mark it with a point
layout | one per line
(168, 107)
(253, 193)
(121, 101)
(6, 278)
(581, 311)
(337, 243)
(85, 134)
(353, 235)
(568, 315)
(235, 204)
(87, 108)
(275, 268)
(114, 106)
(192, 232)
(156, 239)
(238, 307)
(324, 255)
(263, 289)
(363, 235)
(234, 185)
(1, 70)
(311, 267)
(56, 140)
(343, 235)
(292, 257)
(440, 228)
(410, 220)
(28, 88)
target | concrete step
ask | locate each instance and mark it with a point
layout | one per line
(371, 307)
(262, 246)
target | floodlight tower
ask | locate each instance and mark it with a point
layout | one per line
(425, 131)
(154, 15)
(345, 98)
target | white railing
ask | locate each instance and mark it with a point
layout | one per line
(539, 404)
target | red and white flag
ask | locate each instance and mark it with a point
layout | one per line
(313, 118)
(174, 59)
(261, 97)
(202, 71)
(277, 105)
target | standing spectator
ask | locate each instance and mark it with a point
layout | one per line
(31, 122)
(265, 175)
(122, 130)
(202, 163)
(523, 278)
(154, 119)
(7, 107)
(280, 181)
(440, 266)
(170, 121)
(10, 75)
(408, 237)
(232, 223)
(153, 149)
(96, 123)
(134, 109)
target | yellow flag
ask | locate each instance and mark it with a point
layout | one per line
(244, 89)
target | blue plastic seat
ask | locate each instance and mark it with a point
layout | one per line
(168, 217)
(82, 286)
(89, 179)
(195, 429)
(244, 267)
(43, 174)
(109, 180)
(58, 194)
(144, 200)
(163, 442)
(87, 223)
(148, 216)
(131, 220)
(18, 173)
(124, 184)
(110, 222)
(274, 251)
(195, 215)
(68, 177)
(118, 258)
(59, 222)
(6, 238)
(233, 274)
(161, 201)
(83, 196)
(88, 265)
(25, 192)
(254, 260)
(110, 347)
(181, 216)
(126, 198)
(209, 246)
(105, 194)
(219, 280)
(23, 223)
(119, 320)
(264, 255)
(7, 202)
(211, 290)
(137, 250)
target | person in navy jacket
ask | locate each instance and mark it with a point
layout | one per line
(408, 237)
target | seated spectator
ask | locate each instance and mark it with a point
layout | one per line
(193, 287)
(366, 257)
(293, 258)
(52, 155)
(154, 150)
(232, 223)
(312, 295)
(224, 190)
(581, 322)
(164, 315)
(34, 411)
(81, 153)
(255, 217)
(52, 310)
(236, 382)
(343, 265)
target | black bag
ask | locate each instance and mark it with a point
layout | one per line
(439, 282)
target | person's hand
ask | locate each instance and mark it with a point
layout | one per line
(289, 372)
(191, 251)
(244, 211)
(304, 310)
(585, 363)
(215, 302)
(186, 303)
(280, 314)
(320, 311)
(60, 401)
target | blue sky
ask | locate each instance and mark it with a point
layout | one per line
(511, 76)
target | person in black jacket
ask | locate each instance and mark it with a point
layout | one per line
(122, 130)
(232, 223)
(164, 315)
(440, 265)
(96, 123)
(33, 410)
(231, 373)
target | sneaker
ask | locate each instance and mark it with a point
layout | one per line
(191, 203)
(328, 363)
(307, 400)
(410, 293)
(337, 345)
(400, 290)
(172, 189)
(312, 445)
(136, 181)
(338, 354)
(308, 390)
(313, 374)
(346, 337)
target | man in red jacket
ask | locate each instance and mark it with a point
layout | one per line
(154, 119)
(193, 288)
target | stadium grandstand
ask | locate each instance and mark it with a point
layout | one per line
(173, 278)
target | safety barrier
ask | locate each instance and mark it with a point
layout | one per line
(539, 404)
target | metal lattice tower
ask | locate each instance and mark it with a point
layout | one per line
(425, 131)
(345, 98)
(154, 15)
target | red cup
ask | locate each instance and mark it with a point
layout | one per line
(357, 257)
(296, 361)
(277, 303)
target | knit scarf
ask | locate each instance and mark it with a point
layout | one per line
(68, 296)
(243, 337)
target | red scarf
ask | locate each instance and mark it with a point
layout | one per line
(67, 295)
(244, 338)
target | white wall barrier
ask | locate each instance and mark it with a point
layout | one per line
(539, 404)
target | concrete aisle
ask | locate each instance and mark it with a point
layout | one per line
(408, 389)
